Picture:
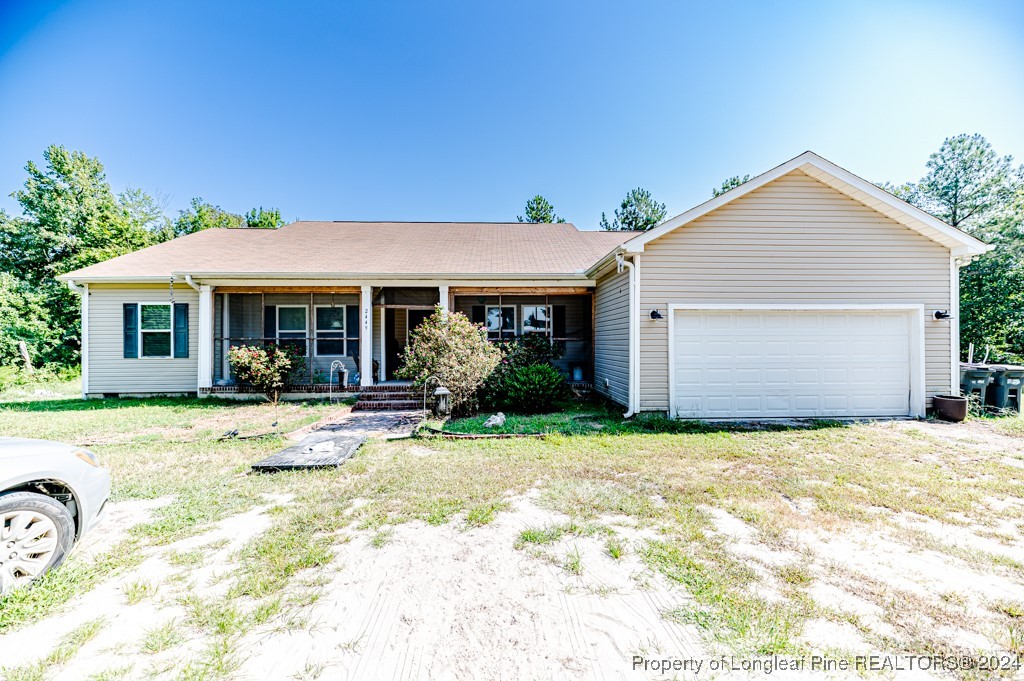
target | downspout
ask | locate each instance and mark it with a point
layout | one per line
(188, 280)
(634, 336)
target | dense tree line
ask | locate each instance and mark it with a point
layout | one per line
(71, 218)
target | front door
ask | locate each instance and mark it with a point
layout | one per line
(398, 325)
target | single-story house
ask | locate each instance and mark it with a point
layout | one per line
(806, 291)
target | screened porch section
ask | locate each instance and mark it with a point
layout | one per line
(566, 319)
(323, 328)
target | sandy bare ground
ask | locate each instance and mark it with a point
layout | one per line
(416, 601)
(430, 603)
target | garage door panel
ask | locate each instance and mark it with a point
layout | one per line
(749, 364)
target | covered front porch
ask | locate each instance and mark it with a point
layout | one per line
(351, 337)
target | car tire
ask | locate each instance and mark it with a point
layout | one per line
(36, 533)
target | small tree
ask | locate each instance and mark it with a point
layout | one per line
(637, 212)
(539, 209)
(456, 351)
(266, 369)
(731, 183)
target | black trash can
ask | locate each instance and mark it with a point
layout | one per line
(1004, 391)
(974, 380)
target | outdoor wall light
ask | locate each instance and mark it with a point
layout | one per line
(941, 314)
(656, 315)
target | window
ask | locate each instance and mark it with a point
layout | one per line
(155, 331)
(537, 319)
(292, 328)
(501, 322)
(330, 330)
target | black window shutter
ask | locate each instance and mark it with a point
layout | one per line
(558, 321)
(131, 330)
(181, 329)
(479, 316)
(352, 321)
(270, 321)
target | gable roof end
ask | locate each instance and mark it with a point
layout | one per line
(843, 181)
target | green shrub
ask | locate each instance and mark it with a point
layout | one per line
(15, 376)
(533, 389)
(529, 350)
(455, 351)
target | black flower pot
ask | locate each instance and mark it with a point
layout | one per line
(950, 407)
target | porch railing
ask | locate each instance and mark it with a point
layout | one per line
(320, 368)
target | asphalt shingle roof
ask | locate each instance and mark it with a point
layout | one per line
(358, 248)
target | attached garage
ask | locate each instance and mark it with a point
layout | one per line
(804, 292)
(762, 362)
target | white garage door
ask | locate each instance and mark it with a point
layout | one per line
(778, 363)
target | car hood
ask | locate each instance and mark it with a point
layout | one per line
(19, 446)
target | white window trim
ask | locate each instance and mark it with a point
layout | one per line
(305, 331)
(140, 331)
(917, 348)
(344, 331)
(550, 331)
(515, 321)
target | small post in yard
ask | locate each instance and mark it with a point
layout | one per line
(23, 349)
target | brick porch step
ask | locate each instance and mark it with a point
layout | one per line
(374, 396)
(386, 405)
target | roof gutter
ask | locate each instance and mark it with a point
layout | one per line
(74, 287)
(578, 274)
(611, 258)
(188, 280)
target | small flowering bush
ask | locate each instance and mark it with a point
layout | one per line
(454, 350)
(266, 369)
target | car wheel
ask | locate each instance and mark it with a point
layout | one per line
(36, 533)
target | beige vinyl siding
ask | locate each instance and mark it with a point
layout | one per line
(794, 240)
(109, 371)
(611, 337)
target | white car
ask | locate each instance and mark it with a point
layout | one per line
(51, 494)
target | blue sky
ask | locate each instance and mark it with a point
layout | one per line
(463, 110)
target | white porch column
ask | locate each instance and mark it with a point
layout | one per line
(205, 336)
(366, 337)
(225, 331)
(442, 297)
(383, 348)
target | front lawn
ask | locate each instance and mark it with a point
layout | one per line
(782, 536)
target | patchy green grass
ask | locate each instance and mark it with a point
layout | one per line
(598, 419)
(112, 673)
(152, 448)
(1010, 425)
(615, 548)
(138, 590)
(573, 561)
(662, 475)
(66, 648)
(161, 638)
(540, 535)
